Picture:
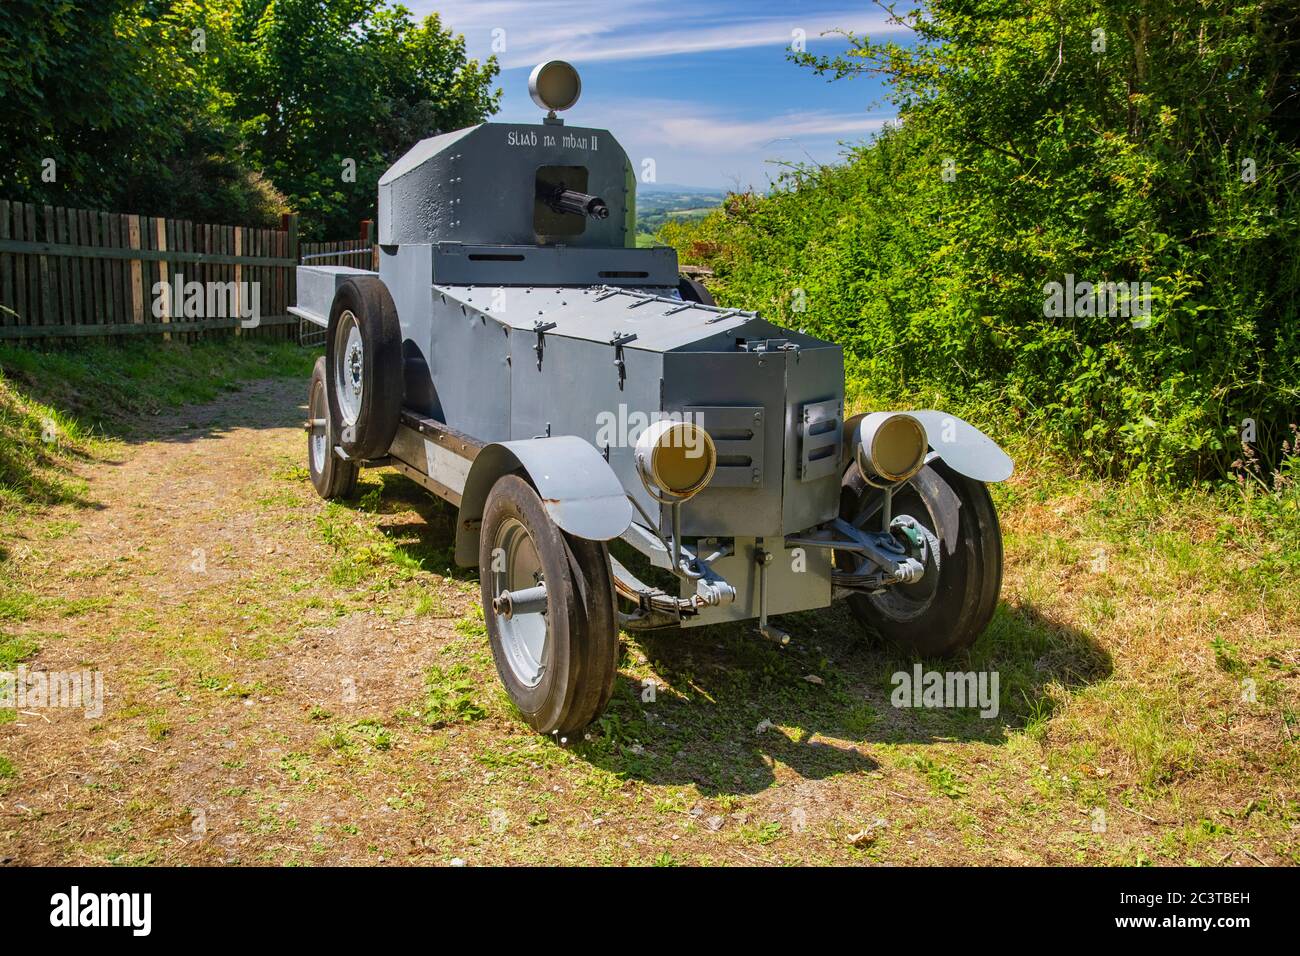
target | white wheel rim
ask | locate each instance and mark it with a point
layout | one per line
(349, 368)
(524, 637)
(318, 411)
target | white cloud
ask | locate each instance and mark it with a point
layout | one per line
(588, 31)
(698, 146)
(705, 133)
(695, 142)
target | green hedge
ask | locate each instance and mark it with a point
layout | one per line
(1026, 155)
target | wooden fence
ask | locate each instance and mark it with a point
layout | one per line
(83, 273)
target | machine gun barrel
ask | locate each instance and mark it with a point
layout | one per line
(564, 200)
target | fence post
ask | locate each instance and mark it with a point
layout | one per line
(294, 253)
(368, 237)
(137, 270)
(237, 245)
(289, 223)
(164, 273)
(7, 300)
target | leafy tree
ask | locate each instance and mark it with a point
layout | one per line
(227, 110)
(115, 95)
(315, 85)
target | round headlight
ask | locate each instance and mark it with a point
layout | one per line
(891, 447)
(676, 459)
(554, 85)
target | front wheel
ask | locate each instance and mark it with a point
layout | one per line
(548, 600)
(947, 610)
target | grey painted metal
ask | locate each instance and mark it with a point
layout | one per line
(964, 447)
(525, 631)
(532, 600)
(554, 85)
(318, 421)
(819, 439)
(796, 581)
(500, 265)
(434, 455)
(317, 286)
(553, 342)
(447, 467)
(739, 436)
(349, 362)
(577, 487)
(477, 185)
(813, 375)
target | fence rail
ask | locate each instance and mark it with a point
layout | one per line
(358, 253)
(77, 273)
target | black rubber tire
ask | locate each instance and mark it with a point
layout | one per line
(380, 410)
(335, 478)
(970, 577)
(581, 655)
(692, 290)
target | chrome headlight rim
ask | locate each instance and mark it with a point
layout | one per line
(874, 432)
(668, 434)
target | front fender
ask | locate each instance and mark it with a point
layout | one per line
(964, 448)
(580, 491)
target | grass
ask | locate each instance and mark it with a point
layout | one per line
(1145, 643)
(449, 697)
(15, 650)
(101, 386)
(55, 405)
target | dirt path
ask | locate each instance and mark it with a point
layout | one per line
(197, 583)
(293, 682)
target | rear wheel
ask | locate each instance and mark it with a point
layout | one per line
(330, 475)
(947, 610)
(548, 600)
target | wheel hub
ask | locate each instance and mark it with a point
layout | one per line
(354, 366)
(519, 602)
(349, 369)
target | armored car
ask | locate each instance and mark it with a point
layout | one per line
(622, 452)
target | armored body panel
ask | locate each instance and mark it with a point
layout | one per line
(520, 323)
(606, 362)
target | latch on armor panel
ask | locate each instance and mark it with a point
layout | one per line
(618, 341)
(541, 328)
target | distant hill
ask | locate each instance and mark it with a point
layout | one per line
(658, 202)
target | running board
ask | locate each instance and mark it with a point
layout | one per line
(433, 455)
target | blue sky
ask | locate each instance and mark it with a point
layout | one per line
(703, 88)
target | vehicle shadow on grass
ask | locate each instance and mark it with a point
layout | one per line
(430, 543)
(821, 702)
